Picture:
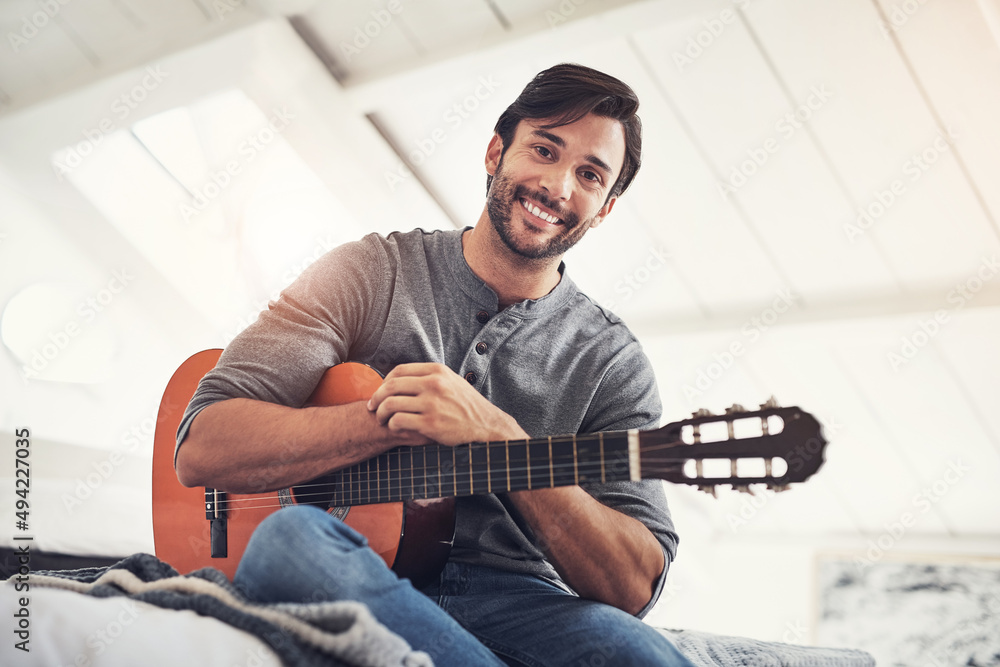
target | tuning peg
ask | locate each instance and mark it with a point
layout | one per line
(770, 403)
(744, 488)
(735, 408)
(778, 488)
(709, 489)
(702, 412)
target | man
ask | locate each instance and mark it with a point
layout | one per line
(483, 337)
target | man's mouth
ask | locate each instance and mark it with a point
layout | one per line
(539, 213)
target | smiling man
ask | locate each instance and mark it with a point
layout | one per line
(482, 336)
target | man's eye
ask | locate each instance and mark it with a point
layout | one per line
(591, 176)
(543, 151)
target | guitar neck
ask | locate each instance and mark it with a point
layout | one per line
(435, 471)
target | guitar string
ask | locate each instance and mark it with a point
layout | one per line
(371, 497)
(366, 476)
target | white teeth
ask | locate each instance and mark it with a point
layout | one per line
(539, 212)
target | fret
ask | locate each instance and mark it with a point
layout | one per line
(454, 471)
(552, 477)
(527, 460)
(383, 477)
(479, 467)
(616, 462)
(355, 485)
(506, 456)
(368, 481)
(392, 475)
(499, 474)
(589, 459)
(600, 437)
(413, 486)
(432, 475)
(564, 470)
(463, 470)
(419, 472)
(538, 464)
(517, 466)
(576, 464)
(406, 473)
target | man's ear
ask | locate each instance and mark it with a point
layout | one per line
(603, 213)
(493, 153)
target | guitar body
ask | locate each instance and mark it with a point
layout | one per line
(414, 537)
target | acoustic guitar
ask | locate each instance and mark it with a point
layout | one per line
(403, 500)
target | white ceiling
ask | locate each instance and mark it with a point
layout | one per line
(881, 99)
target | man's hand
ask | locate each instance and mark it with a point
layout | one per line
(433, 400)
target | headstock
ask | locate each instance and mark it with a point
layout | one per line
(773, 445)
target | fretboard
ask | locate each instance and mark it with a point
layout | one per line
(435, 471)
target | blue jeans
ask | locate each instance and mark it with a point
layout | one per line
(473, 616)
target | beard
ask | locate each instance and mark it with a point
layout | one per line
(504, 195)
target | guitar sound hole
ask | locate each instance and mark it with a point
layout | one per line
(320, 492)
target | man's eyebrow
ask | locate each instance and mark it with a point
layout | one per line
(558, 141)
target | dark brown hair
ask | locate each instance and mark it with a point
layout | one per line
(565, 94)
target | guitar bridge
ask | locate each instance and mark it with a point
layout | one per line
(216, 517)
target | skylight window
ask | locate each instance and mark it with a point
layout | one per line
(216, 198)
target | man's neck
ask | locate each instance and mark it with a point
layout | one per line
(514, 278)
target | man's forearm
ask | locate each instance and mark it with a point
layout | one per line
(600, 552)
(247, 446)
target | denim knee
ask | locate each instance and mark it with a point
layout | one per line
(301, 553)
(300, 524)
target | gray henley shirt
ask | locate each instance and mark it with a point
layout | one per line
(560, 364)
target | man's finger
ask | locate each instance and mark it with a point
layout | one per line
(394, 386)
(396, 405)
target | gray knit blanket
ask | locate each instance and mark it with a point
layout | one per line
(345, 634)
(338, 634)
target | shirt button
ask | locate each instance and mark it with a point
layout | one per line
(482, 347)
(483, 317)
(471, 377)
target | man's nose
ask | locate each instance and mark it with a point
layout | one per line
(557, 182)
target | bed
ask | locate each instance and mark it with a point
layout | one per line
(140, 611)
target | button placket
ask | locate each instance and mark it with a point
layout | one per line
(495, 330)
